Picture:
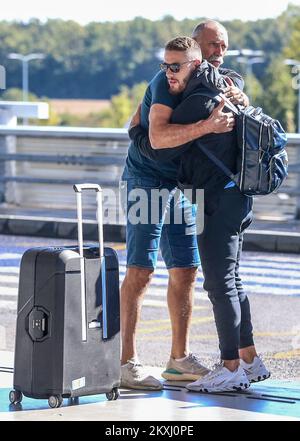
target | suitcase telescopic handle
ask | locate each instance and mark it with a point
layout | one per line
(78, 188)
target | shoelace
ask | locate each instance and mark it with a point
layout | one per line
(261, 358)
(216, 369)
(135, 365)
(218, 365)
(194, 359)
(137, 368)
(211, 376)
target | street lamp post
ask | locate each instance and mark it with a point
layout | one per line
(296, 82)
(25, 60)
(25, 77)
(296, 85)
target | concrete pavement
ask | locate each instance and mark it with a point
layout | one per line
(265, 401)
(271, 400)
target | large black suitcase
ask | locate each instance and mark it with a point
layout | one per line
(68, 320)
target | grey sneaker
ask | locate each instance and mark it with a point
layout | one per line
(186, 370)
(133, 376)
(255, 371)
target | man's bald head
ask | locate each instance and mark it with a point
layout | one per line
(208, 25)
(212, 37)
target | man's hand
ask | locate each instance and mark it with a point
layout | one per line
(136, 118)
(234, 94)
(218, 121)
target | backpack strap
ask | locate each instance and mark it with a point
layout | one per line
(211, 156)
(218, 98)
(217, 161)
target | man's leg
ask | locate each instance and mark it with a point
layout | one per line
(247, 349)
(181, 255)
(219, 247)
(133, 289)
(142, 239)
(180, 303)
(249, 360)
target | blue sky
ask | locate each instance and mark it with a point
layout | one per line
(115, 10)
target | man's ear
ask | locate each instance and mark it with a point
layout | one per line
(197, 62)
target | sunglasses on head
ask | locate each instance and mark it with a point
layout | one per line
(174, 67)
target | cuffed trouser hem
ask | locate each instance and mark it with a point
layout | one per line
(183, 266)
(246, 344)
(233, 354)
(135, 265)
(230, 354)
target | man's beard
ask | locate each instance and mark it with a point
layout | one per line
(181, 88)
(215, 58)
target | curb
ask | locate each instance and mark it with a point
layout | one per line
(272, 241)
(254, 240)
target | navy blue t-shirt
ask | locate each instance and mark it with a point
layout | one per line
(138, 165)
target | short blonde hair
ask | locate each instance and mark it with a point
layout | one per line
(185, 44)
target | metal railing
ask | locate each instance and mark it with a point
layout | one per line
(39, 165)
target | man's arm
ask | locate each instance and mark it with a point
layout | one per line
(235, 95)
(236, 78)
(234, 91)
(163, 134)
(140, 136)
(141, 139)
(136, 118)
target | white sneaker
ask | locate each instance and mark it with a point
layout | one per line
(255, 371)
(134, 376)
(186, 370)
(221, 379)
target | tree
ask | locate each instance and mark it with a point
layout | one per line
(253, 89)
(279, 98)
(92, 61)
(123, 106)
(15, 94)
(292, 50)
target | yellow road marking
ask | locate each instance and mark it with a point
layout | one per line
(289, 354)
(192, 338)
(200, 337)
(155, 303)
(194, 320)
(275, 334)
(162, 304)
(118, 247)
(167, 326)
(199, 308)
(148, 322)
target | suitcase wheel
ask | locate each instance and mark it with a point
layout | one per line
(15, 396)
(55, 401)
(113, 394)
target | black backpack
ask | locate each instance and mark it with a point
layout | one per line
(262, 161)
